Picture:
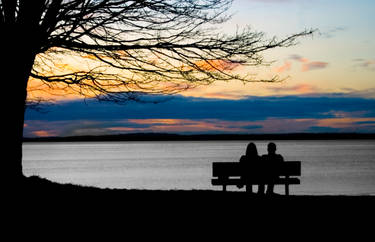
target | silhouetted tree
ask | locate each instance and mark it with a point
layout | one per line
(115, 49)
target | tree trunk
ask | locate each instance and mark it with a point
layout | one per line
(15, 70)
(19, 43)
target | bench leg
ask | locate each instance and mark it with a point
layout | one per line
(249, 188)
(287, 189)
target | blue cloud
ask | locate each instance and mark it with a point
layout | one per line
(251, 127)
(366, 122)
(179, 107)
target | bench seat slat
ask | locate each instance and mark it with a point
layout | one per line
(287, 168)
(238, 181)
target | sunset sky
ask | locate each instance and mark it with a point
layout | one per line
(329, 85)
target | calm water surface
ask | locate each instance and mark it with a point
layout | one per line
(328, 167)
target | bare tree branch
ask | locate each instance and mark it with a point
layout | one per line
(153, 46)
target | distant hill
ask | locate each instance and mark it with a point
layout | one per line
(196, 137)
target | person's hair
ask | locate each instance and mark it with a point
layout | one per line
(251, 150)
(271, 146)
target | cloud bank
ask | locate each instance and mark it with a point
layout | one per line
(329, 113)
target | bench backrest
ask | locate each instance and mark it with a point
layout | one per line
(228, 169)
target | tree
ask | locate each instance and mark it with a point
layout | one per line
(128, 47)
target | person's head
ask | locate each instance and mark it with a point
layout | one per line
(251, 150)
(271, 148)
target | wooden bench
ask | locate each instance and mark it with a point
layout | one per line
(230, 173)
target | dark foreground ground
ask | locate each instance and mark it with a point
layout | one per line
(45, 206)
(36, 190)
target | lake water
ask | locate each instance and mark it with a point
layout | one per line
(328, 167)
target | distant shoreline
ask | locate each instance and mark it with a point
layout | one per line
(203, 137)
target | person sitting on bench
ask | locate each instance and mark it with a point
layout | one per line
(250, 156)
(271, 160)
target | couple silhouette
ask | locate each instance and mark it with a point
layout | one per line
(268, 162)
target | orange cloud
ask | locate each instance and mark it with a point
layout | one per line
(286, 67)
(216, 65)
(352, 123)
(155, 121)
(38, 90)
(305, 88)
(44, 133)
(224, 95)
(308, 65)
(299, 89)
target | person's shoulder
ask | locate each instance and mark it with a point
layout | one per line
(280, 157)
